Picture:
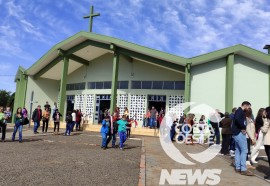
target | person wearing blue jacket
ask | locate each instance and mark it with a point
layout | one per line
(239, 135)
(105, 131)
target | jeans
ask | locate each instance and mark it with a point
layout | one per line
(123, 138)
(226, 139)
(72, 126)
(232, 144)
(78, 125)
(45, 125)
(145, 122)
(56, 124)
(36, 125)
(4, 127)
(216, 134)
(267, 150)
(240, 151)
(128, 132)
(113, 137)
(152, 122)
(68, 128)
(16, 127)
(172, 133)
(104, 139)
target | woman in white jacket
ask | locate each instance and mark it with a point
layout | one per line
(259, 142)
(266, 132)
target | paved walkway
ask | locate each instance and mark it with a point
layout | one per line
(156, 160)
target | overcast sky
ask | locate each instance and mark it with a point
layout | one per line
(29, 28)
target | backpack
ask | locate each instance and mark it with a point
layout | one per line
(69, 119)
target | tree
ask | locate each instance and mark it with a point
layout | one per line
(5, 98)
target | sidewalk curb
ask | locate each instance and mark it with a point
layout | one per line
(142, 175)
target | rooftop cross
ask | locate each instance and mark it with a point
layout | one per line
(91, 16)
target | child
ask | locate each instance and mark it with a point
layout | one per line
(69, 123)
(122, 131)
(105, 131)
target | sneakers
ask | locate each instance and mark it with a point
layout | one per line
(247, 173)
(253, 161)
(232, 153)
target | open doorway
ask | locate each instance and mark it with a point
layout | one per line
(158, 101)
(158, 105)
(70, 105)
(103, 103)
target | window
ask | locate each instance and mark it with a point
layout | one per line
(75, 86)
(107, 85)
(99, 85)
(136, 85)
(147, 84)
(122, 85)
(91, 85)
(168, 85)
(179, 85)
(157, 84)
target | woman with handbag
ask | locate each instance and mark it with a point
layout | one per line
(18, 124)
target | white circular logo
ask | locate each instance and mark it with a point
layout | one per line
(169, 147)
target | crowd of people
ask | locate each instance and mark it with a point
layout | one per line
(242, 134)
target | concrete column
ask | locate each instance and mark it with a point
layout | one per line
(229, 83)
(114, 81)
(63, 83)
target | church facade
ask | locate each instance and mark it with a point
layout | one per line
(92, 72)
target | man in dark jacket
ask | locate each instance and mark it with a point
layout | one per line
(36, 117)
(239, 135)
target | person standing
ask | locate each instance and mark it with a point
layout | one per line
(73, 120)
(56, 119)
(105, 131)
(126, 113)
(239, 135)
(251, 135)
(45, 120)
(148, 115)
(260, 136)
(69, 123)
(122, 123)
(232, 142)
(266, 131)
(55, 107)
(153, 117)
(226, 132)
(36, 117)
(48, 106)
(18, 124)
(78, 120)
(215, 119)
(3, 124)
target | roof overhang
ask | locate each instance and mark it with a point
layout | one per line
(84, 47)
(237, 50)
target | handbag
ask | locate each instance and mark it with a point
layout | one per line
(25, 121)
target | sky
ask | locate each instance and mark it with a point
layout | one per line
(187, 28)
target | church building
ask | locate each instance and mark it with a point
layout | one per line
(92, 72)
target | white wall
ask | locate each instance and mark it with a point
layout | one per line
(44, 90)
(208, 84)
(250, 83)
